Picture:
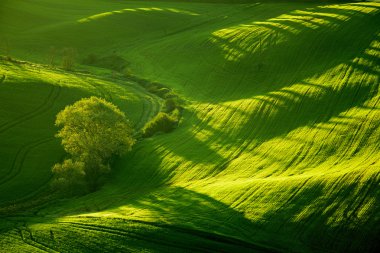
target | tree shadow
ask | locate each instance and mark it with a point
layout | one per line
(173, 219)
(341, 216)
(311, 216)
(279, 113)
(271, 50)
(303, 109)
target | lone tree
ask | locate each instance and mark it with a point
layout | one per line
(93, 132)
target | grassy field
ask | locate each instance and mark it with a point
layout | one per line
(277, 150)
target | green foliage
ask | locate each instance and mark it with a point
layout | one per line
(69, 176)
(28, 151)
(51, 56)
(161, 123)
(68, 58)
(172, 104)
(153, 87)
(113, 62)
(93, 131)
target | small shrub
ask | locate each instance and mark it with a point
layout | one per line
(112, 62)
(91, 59)
(158, 85)
(51, 55)
(69, 177)
(163, 91)
(68, 58)
(150, 88)
(170, 105)
(177, 113)
(159, 91)
(161, 123)
(170, 95)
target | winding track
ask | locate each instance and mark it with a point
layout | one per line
(42, 108)
(225, 244)
(150, 106)
(19, 159)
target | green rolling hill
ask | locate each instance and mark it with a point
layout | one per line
(277, 149)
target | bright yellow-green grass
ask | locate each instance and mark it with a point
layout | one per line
(278, 148)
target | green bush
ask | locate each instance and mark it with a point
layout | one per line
(170, 104)
(161, 123)
(51, 55)
(69, 177)
(68, 58)
(91, 59)
(93, 132)
(176, 114)
(113, 62)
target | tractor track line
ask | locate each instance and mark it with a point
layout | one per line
(44, 107)
(20, 157)
(123, 233)
(188, 231)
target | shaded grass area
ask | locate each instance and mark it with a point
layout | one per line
(153, 235)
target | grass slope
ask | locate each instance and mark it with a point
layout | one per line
(31, 96)
(278, 149)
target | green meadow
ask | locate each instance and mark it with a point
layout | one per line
(278, 144)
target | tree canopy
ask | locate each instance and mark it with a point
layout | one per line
(93, 131)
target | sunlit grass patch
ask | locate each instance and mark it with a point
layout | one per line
(136, 10)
